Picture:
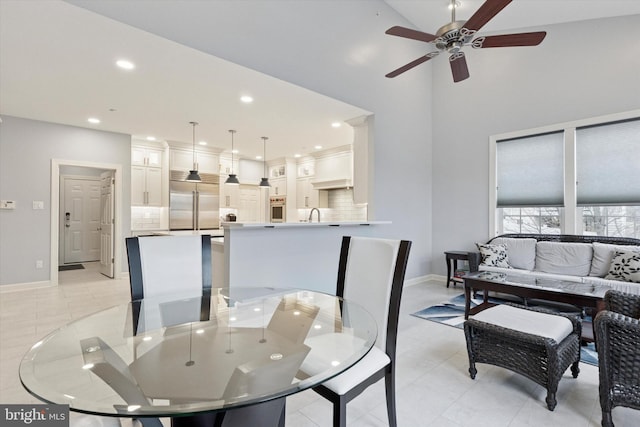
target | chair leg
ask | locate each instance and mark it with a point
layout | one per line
(607, 420)
(575, 369)
(551, 399)
(390, 385)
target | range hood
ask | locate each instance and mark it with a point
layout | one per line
(332, 184)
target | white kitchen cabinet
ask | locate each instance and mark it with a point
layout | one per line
(205, 162)
(229, 194)
(308, 197)
(248, 203)
(146, 186)
(146, 156)
(278, 186)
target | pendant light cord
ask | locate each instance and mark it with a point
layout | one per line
(193, 124)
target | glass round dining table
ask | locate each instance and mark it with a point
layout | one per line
(188, 355)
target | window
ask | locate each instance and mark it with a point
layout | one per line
(574, 178)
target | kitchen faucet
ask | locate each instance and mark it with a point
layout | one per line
(311, 214)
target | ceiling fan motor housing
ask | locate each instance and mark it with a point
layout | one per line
(449, 38)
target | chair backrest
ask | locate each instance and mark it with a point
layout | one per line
(371, 273)
(168, 264)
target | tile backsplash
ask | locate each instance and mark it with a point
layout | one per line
(148, 218)
(341, 208)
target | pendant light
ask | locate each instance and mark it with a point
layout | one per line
(232, 179)
(193, 174)
(264, 182)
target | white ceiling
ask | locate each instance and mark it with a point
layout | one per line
(57, 65)
(429, 15)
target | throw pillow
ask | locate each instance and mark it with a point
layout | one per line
(625, 266)
(494, 255)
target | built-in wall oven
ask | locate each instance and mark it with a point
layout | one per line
(278, 209)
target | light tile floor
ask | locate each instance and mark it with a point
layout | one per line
(433, 385)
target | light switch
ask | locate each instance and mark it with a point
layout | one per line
(7, 204)
(37, 204)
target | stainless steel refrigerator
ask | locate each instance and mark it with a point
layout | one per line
(194, 206)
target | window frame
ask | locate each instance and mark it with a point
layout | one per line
(571, 214)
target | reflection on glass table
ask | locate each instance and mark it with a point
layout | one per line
(183, 355)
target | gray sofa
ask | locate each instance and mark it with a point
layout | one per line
(585, 259)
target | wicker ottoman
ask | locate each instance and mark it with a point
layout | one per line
(533, 342)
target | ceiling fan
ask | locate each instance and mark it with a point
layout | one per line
(452, 37)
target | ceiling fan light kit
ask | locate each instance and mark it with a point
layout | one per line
(452, 37)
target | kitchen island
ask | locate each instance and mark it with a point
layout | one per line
(288, 255)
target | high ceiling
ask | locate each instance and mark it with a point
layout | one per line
(429, 15)
(57, 64)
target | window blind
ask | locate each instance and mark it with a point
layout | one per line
(531, 171)
(608, 164)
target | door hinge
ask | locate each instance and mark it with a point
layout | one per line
(113, 181)
(113, 220)
(113, 260)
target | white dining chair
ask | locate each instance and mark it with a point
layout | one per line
(371, 273)
(168, 264)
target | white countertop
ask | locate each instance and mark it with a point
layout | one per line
(240, 225)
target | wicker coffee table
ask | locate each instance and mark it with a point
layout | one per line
(582, 295)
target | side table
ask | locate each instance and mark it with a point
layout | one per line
(452, 258)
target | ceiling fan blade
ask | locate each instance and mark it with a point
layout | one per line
(508, 40)
(412, 64)
(459, 67)
(408, 33)
(488, 10)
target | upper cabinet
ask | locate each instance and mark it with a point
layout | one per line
(204, 162)
(146, 175)
(146, 156)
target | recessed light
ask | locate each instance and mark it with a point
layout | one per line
(125, 65)
(258, 157)
(336, 124)
(318, 147)
(151, 138)
(93, 120)
(202, 142)
(246, 99)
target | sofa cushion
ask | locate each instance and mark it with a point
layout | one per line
(521, 252)
(602, 254)
(494, 255)
(573, 259)
(600, 285)
(625, 266)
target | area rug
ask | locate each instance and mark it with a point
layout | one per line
(451, 313)
(70, 267)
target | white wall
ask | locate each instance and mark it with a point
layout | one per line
(580, 70)
(336, 48)
(26, 150)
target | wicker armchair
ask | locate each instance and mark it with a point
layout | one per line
(618, 339)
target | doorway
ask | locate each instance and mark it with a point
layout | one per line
(93, 192)
(80, 219)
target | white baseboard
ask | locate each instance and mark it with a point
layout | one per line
(16, 287)
(427, 278)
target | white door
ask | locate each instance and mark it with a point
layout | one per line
(81, 220)
(107, 183)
